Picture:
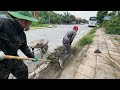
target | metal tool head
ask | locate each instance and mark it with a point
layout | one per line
(97, 51)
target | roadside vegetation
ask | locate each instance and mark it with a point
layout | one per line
(112, 25)
(49, 19)
(35, 24)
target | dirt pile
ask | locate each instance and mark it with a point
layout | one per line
(53, 68)
(56, 55)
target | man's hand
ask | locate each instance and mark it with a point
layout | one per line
(1, 55)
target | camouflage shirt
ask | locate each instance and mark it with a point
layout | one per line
(69, 36)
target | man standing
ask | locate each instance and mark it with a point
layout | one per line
(67, 41)
(13, 38)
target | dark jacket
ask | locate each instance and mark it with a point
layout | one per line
(68, 38)
(12, 38)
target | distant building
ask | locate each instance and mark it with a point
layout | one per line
(78, 18)
(36, 14)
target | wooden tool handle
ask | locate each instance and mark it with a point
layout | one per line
(16, 57)
(23, 58)
(111, 60)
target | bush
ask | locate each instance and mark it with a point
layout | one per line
(113, 30)
(37, 24)
(86, 40)
(93, 30)
(113, 26)
(43, 25)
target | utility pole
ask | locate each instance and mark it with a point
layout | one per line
(117, 13)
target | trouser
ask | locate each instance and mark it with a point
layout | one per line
(66, 52)
(15, 67)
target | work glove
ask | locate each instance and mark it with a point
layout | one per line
(36, 59)
(1, 55)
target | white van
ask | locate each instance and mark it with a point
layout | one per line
(92, 21)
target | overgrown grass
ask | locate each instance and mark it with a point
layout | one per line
(113, 30)
(43, 25)
(34, 24)
(93, 30)
(87, 39)
(37, 24)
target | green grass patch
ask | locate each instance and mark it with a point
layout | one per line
(37, 24)
(86, 40)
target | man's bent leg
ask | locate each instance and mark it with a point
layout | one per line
(20, 71)
(4, 71)
(66, 55)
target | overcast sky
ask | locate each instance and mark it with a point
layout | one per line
(82, 14)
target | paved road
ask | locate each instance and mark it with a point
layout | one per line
(54, 36)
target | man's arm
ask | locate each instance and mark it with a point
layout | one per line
(73, 36)
(1, 24)
(25, 49)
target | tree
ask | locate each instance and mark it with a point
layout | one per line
(101, 15)
(66, 18)
(84, 21)
(78, 21)
(118, 14)
(36, 14)
(113, 13)
(54, 18)
(73, 18)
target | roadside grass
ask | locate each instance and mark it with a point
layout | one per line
(34, 24)
(39, 26)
